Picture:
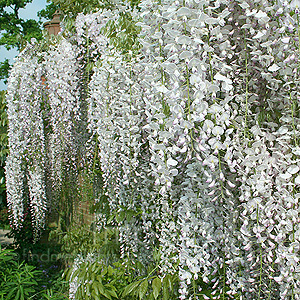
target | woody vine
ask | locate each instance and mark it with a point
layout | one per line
(196, 127)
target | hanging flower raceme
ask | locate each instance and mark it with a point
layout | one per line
(187, 125)
(25, 171)
(261, 155)
(117, 116)
(63, 86)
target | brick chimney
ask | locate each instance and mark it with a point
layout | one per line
(53, 26)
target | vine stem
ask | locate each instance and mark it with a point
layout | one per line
(247, 86)
(260, 258)
(296, 144)
(298, 31)
(294, 128)
(270, 281)
(224, 256)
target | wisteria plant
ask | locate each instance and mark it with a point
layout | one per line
(192, 109)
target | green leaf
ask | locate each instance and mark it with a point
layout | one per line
(106, 294)
(165, 293)
(104, 272)
(143, 288)
(110, 271)
(113, 293)
(156, 286)
(97, 287)
(120, 217)
(167, 282)
(130, 288)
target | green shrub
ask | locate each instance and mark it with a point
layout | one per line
(17, 280)
(22, 281)
(125, 279)
(85, 239)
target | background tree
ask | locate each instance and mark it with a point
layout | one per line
(71, 8)
(15, 31)
(48, 11)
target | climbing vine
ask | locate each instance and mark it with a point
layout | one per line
(191, 109)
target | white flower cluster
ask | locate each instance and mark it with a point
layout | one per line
(26, 161)
(198, 138)
(63, 108)
(44, 117)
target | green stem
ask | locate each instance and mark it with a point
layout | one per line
(293, 119)
(270, 281)
(188, 92)
(210, 59)
(260, 255)
(95, 155)
(194, 289)
(298, 31)
(247, 86)
(224, 256)
(153, 271)
(210, 67)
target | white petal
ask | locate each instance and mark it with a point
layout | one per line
(297, 180)
(174, 172)
(274, 68)
(184, 11)
(259, 35)
(171, 162)
(293, 169)
(285, 40)
(185, 54)
(218, 130)
(261, 14)
(278, 279)
(296, 151)
(232, 185)
(283, 130)
(221, 77)
(213, 88)
(162, 89)
(285, 176)
(211, 21)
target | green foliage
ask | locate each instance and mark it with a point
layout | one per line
(123, 34)
(72, 8)
(48, 12)
(20, 280)
(4, 69)
(123, 279)
(3, 129)
(14, 30)
(2, 188)
(17, 280)
(84, 240)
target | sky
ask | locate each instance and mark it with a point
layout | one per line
(30, 12)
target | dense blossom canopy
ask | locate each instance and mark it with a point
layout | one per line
(198, 137)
